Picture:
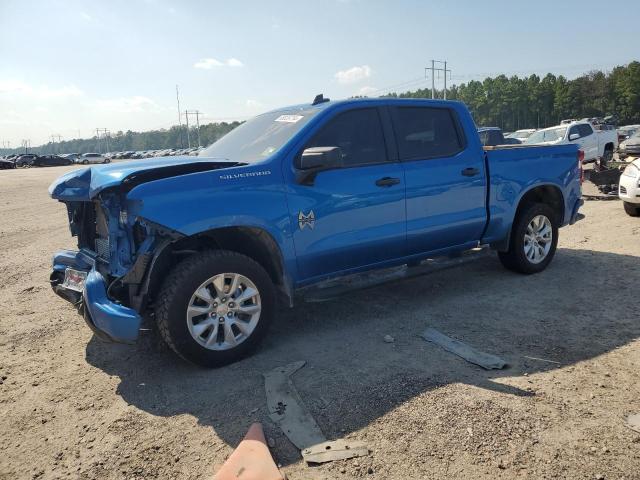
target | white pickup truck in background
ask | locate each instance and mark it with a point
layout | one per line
(596, 144)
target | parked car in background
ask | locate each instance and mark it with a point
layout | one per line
(521, 135)
(490, 136)
(86, 158)
(596, 144)
(71, 156)
(6, 164)
(630, 147)
(293, 197)
(25, 160)
(627, 131)
(629, 188)
(51, 161)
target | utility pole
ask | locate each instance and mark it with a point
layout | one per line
(186, 114)
(197, 113)
(105, 134)
(179, 117)
(433, 69)
(26, 144)
(53, 142)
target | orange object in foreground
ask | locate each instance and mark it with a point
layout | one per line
(251, 460)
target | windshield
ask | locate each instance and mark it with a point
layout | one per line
(260, 137)
(551, 135)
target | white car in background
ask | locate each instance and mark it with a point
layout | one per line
(596, 144)
(522, 135)
(86, 158)
(629, 188)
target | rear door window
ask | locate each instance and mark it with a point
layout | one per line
(426, 132)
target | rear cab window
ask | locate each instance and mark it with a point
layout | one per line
(427, 132)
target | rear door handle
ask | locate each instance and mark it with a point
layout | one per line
(470, 172)
(387, 181)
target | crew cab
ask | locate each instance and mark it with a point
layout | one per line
(596, 144)
(211, 245)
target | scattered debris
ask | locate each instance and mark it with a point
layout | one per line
(251, 460)
(470, 354)
(287, 410)
(542, 360)
(389, 339)
(335, 450)
(633, 422)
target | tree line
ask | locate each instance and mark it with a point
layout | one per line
(512, 103)
(174, 137)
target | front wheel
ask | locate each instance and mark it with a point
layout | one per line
(215, 307)
(632, 209)
(534, 238)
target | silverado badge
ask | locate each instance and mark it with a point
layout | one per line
(308, 220)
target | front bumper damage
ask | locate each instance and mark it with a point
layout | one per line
(108, 319)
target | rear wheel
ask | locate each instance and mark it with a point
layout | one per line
(215, 307)
(84, 162)
(632, 209)
(534, 238)
(607, 157)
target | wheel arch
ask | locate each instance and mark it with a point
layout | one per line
(254, 242)
(549, 194)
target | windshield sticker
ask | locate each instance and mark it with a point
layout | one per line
(289, 118)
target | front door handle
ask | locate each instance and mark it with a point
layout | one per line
(470, 172)
(387, 181)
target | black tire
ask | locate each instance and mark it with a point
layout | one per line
(515, 258)
(632, 209)
(180, 285)
(607, 157)
(85, 162)
(106, 160)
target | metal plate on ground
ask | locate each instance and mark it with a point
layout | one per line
(470, 354)
(633, 422)
(335, 450)
(287, 410)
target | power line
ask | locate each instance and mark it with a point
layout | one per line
(197, 114)
(53, 142)
(105, 135)
(435, 69)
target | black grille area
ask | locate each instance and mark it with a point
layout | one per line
(85, 220)
(623, 190)
(101, 240)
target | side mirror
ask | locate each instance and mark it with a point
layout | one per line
(317, 159)
(574, 136)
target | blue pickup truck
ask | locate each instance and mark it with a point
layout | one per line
(211, 245)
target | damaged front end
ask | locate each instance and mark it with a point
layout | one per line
(107, 279)
(114, 253)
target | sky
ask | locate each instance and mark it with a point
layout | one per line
(69, 67)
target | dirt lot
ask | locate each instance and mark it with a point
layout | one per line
(73, 407)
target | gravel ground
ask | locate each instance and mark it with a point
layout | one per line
(74, 407)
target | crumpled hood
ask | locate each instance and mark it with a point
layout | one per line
(85, 183)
